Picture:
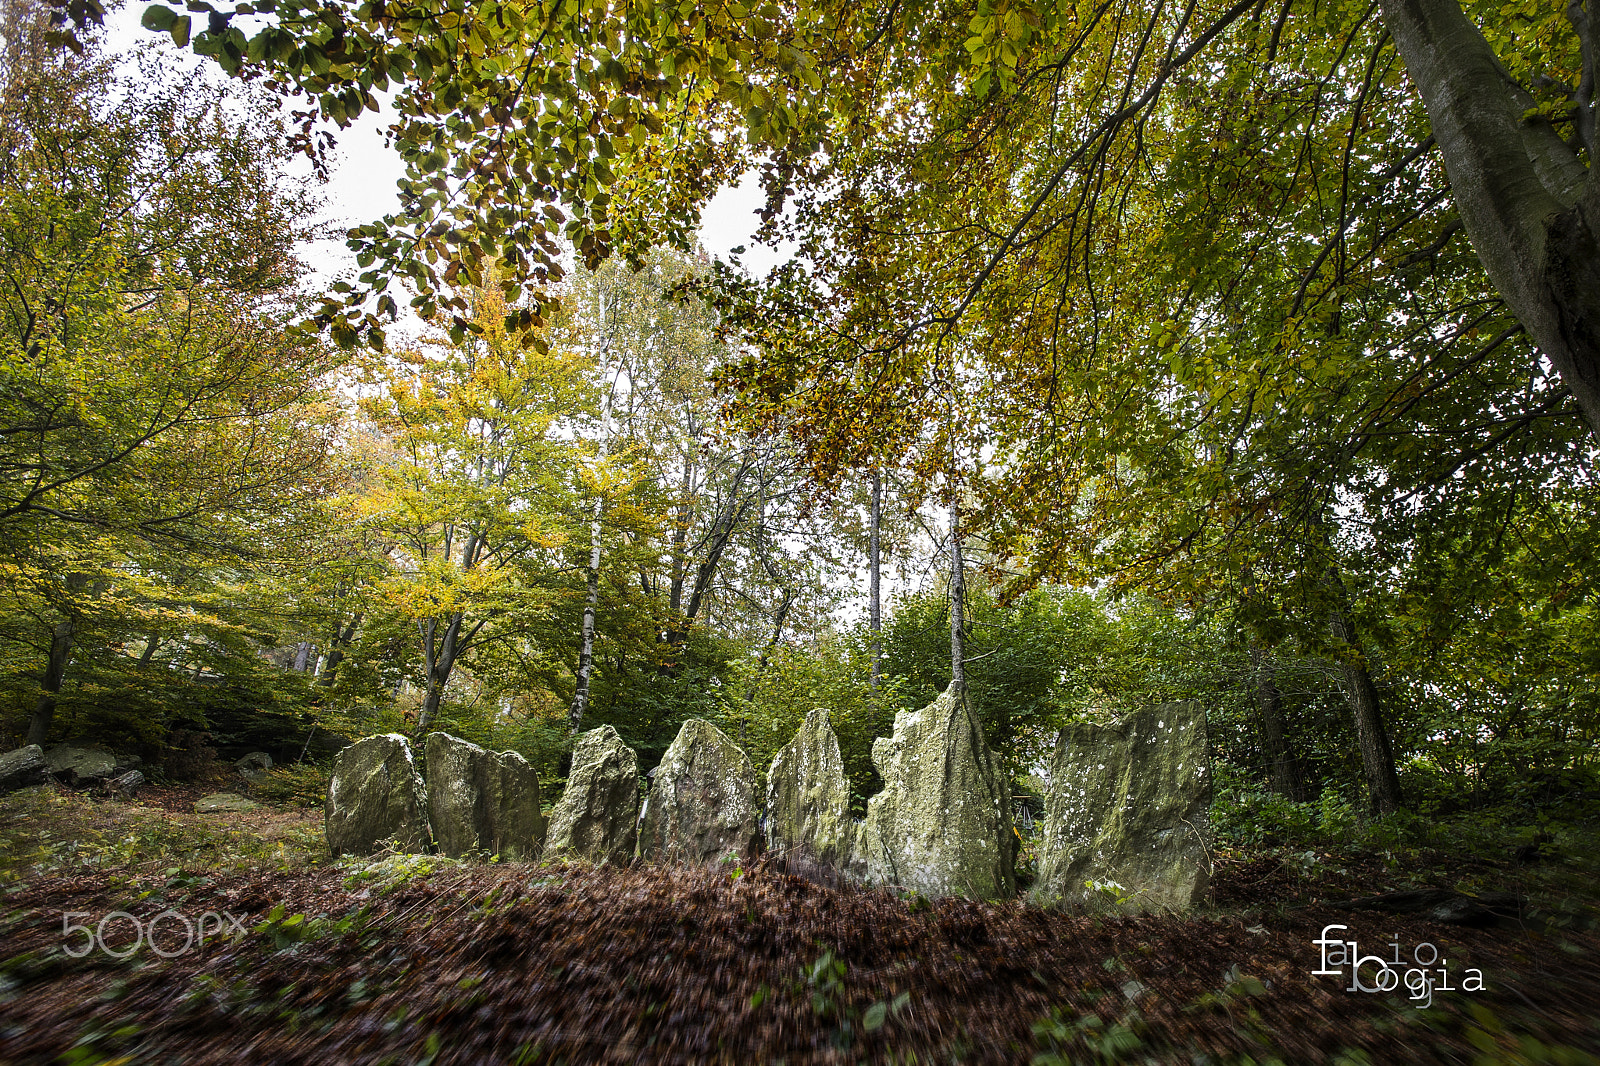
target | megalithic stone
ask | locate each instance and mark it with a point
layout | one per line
(808, 797)
(702, 802)
(482, 801)
(597, 817)
(942, 824)
(375, 794)
(1128, 807)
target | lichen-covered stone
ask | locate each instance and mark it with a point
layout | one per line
(597, 817)
(942, 824)
(22, 768)
(808, 797)
(480, 800)
(374, 795)
(223, 803)
(702, 805)
(1128, 807)
(79, 767)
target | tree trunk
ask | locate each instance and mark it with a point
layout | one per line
(958, 595)
(1529, 206)
(341, 640)
(580, 695)
(439, 664)
(1283, 767)
(44, 711)
(302, 656)
(1377, 758)
(875, 606)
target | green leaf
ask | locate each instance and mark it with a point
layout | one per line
(158, 17)
(876, 1014)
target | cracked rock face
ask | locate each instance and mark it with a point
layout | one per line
(22, 768)
(942, 824)
(702, 805)
(482, 801)
(1128, 806)
(375, 794)
(597, 817)
(808, 797)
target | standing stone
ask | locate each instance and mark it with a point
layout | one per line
(597, 817)
(482, 800)
(702, 805)
(808, 796)
(253, 767)
(1128, 805)
(942, 824)
(22, 768)
(78, 767)
(375, 794)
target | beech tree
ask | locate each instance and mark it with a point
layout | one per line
(475, 494)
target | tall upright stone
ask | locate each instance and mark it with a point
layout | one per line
(808, 796)
(702, 804)
(480, 800)
(597, 817)
(942, 824)
(375, 794)
(1128, 806)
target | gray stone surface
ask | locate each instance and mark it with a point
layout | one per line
(702, 802)
(1128, 805)
(942, 824)
(22, 768)
(808, 797)
(124, 785)
(597, 817)
(482, 801)
(374, 795)
(219, 802)
(253, 767)
(79, 767)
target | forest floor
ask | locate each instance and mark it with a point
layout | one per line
(253, 946)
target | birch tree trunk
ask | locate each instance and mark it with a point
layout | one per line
(580, 693)
(875, 606)
(958, 596)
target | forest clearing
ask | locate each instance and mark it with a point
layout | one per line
(939, 531)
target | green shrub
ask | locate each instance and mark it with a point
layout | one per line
(300, 784)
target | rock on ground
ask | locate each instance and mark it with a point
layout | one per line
(123, 786)
(702, 805)
(808, 797)
(22, 768)
(253, 767)
(597, 817)
(219, 802)
(79, 767)
(1128, 806)
(480, 800)
(374, 795)
(942, 824)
